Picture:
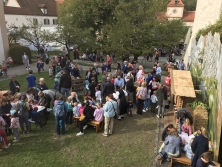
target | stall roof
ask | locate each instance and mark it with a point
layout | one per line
(181, 83)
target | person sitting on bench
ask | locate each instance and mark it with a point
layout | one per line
(171, 146)
(205, 160)
(166, 131)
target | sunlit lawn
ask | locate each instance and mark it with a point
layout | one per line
(131, 144)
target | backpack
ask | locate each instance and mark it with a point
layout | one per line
(22, 108)
(142, 94)
(159, 159)
(59, 109)
(69, 107)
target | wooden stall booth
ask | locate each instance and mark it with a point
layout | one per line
(182, 87)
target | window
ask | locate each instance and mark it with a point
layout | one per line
(176, 1)
(35, 21)
(55, 21)
(44, 10)
(46, 22)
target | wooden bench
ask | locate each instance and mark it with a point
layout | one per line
(182, 159)
(96, 124)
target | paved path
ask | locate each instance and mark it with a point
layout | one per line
(20, 70)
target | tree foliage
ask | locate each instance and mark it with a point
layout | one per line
(140, 27)
(13, 34)
(190, 5)
(16, 52)
(33, 33)
(126, 26)
(217, 27)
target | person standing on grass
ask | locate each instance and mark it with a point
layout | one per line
(15, 125)
(23, 108)
(109, 61)
(3, 134)
(141, 97)
(25, 60)
(53, 63)
(14, 85)
(60, 109)
(108, 88)
(110, 109)
(31, 79)
(65, 84)
(161, 96)
(42, 86)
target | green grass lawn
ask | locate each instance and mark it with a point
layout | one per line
(131, 145)
(4, 85)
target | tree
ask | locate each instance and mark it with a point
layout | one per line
(141, 27)
(87, 17)
(13, 34)
(127, 26)
(33, 33)
(190, 5)
(68, 36)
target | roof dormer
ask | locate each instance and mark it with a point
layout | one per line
(43, 8)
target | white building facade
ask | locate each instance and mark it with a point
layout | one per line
(17, 12)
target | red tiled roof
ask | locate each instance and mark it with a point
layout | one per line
(32, 7)
(162, 16)
(189, 16)
(16, 11)
(173, 4)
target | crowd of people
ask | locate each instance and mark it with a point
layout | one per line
(113, 96)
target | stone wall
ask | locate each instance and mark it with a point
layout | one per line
(207, 13)
(205, 65)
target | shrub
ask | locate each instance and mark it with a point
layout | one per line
(16, 52)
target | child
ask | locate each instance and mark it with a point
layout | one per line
(50, 72)
(205, 160)
(39, 65)
(98, 114)
(81, 109)
(188, 150)
(186, 128)
(15, 125)
(76, 110)
(98, 95)
(58, 68)
(147, 101)
(130, 106)
(153, 102)
(4, 69)
(69, 114)
(93, 102)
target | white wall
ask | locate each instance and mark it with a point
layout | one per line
(2, 50)
(178, 13)
(207, 12)
(18, 20)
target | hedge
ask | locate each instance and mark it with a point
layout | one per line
(16, 52)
